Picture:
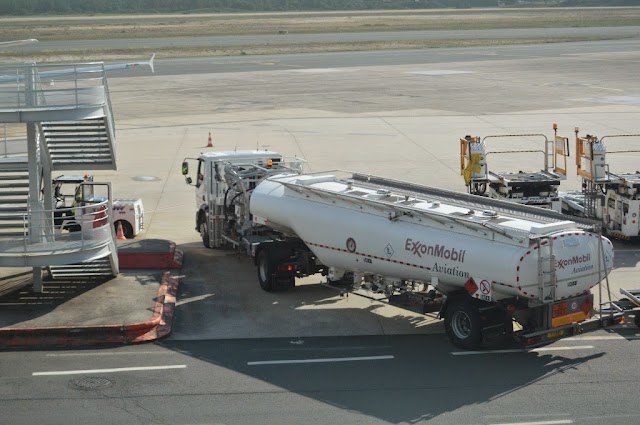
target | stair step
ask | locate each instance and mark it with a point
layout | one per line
(7, 176)
(73, 134)
(74, 143)
(75, 130)
(11, 220)
(14, 185)
(11, 226)
(83, 159)
(91, 269)
(13, 234)
(74, 149)
(90, 122)
(15, 201)
(104, 159)
(12, 209)
(84, 270)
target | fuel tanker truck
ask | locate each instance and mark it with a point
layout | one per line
(502, 269)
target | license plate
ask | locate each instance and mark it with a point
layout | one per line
(556, 334)
(573, 310)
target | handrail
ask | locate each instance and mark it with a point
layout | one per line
(76, 85)
(63, 229)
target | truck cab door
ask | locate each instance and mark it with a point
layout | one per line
(200, 183)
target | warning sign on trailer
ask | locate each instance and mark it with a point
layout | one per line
(480, 290)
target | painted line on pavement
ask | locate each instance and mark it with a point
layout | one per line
(110, 354)
(522, 350)
(114, 370)
(558, 422)
(602, 338)
(327, 360)
(343, 348)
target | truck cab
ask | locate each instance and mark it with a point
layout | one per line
(223, 181)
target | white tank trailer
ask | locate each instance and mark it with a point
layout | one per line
(407, 238)
(504, 269)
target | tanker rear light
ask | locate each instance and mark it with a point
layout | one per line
(533, 341)
(286, 268)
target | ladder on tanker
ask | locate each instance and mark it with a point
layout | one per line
(546, 270)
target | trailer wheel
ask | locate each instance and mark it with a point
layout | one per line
(127, 230)
(204, 234)
(636, 319)
(462, 325)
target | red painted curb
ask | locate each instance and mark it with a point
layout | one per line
(165, 324)
(150, 260)
(158, 326)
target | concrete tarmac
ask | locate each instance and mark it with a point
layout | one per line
(399, 121)
(354, 112)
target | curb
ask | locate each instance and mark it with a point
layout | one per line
(171, 259)
(159, 326)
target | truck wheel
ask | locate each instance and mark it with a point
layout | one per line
(636, 319)
(462, 325)
(204, 233)
(268, 261)
(265, 270)
(127, 230)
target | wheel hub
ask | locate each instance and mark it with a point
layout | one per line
(461, 324)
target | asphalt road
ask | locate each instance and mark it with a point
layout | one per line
(468, 55)
(354, 37)
(389, 379)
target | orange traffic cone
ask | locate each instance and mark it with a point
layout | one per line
(120, 234)
(210, 142)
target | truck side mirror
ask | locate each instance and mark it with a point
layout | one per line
(185, 168)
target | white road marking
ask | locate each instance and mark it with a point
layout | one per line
(192, 299)
(522, 350)
(558, 422)
(127, 353)
(114, 370)
(327, 360)
(322, 70)
(343, 348)
(603, 338)
(438, 72)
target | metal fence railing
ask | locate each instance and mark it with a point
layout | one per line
(61, 231)
(29, 86)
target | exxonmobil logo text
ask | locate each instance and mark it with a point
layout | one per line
(576, 259)
(418, 248)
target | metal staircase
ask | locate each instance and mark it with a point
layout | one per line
(69, 127)
(80, 144)
(14, 194)
(93, 269)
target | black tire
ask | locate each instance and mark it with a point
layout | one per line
(266, 268)
(462, 325)
(127, 229)
(204, 234)
(71, 228)
(636, 320)
(267, 262)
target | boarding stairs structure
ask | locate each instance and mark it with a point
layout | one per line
(69, 126)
